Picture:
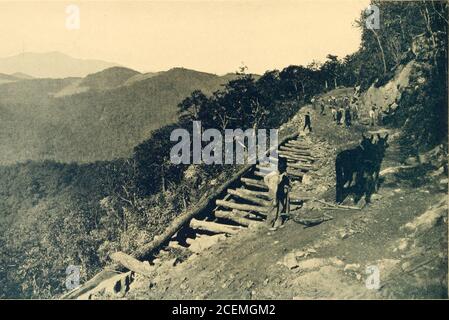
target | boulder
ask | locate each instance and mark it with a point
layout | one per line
(412, 161)
(203, 242)
(438, 172)
(313, 263)
(306, 179)
(289, 260)
(428, 219)
(351, 267)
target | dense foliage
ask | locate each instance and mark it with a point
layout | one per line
(408, 30)
(103, 123)
(54, 214)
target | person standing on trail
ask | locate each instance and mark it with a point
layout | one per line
(339, 115)
(278, 185)
(307, 122)
(372, 115)
(322, 107)
(379, 117)
(347, 117)
(392, 107)
(355, 109)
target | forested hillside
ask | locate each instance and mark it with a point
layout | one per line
(6, 78)
(55, 214)
(94, 118)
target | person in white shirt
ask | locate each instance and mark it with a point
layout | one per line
(355, 109)
(372, 116)
(278, 185)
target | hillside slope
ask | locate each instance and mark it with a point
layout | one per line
(85, 123)
(403, 232)
(6, 78)
(109, 78)
(104, 80)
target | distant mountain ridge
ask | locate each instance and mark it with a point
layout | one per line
(6, 78)
(103, 80)
(21, 75)
(109, 78)
(51, 65)
(99, 117)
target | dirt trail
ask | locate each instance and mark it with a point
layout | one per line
(329, 260)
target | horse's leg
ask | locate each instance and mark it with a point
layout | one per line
(375, 186)
(359, 184)
(338, 178)
(357, 188)
(338, 191)
(376, 180)
(353, 179)
(347, 173)
(369, 187)
(345, 180)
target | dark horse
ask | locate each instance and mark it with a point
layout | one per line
(364, 161)
(348, 163)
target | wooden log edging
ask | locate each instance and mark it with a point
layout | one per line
(254, 183)
(260, 194)
(295, 151)
(132, 264)
(157, 241)
(288, 155)
(105, 274)
(185, 218)
(214, 227)
(243, 207)
(180, 221)
(249, 197)
(229, 215)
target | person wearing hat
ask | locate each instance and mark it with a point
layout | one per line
(307, 122)
(372, 115)
(278, 184)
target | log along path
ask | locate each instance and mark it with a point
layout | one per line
(244, 205)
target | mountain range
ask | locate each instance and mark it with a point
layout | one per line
(98, 117)
(51, 65)
(17, 76)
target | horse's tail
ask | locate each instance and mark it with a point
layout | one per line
(339, 180)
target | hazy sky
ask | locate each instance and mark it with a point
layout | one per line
(213, 36)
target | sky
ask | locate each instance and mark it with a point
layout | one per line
(211, 36)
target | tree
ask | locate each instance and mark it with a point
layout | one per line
(331, 69)
(192, 105)
(153, 166)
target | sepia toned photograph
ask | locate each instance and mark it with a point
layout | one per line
(224, 150)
